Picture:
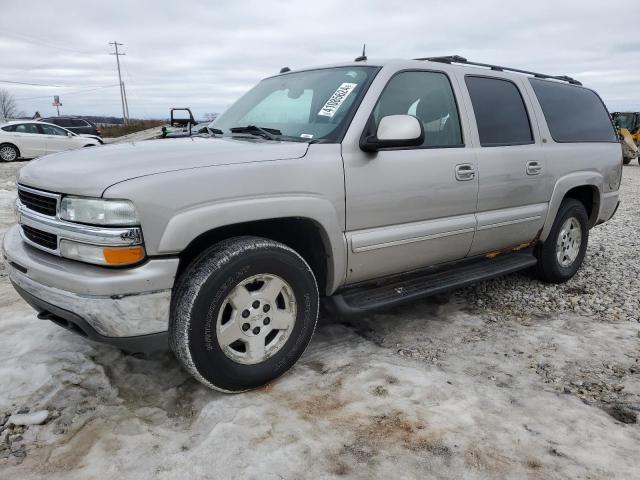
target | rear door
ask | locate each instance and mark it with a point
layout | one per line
(29, 140)
(409, 207)
(513, 190)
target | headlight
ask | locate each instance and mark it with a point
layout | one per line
(101, 255)
(96, 211)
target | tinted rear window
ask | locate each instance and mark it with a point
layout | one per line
(76, 122)
(500, 112)
(63, 122)
(573, 114)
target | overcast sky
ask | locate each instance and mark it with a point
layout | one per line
(205, 54)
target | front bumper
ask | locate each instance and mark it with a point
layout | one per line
(110, 303)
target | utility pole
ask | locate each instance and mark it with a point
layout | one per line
(125, 116)
(126, 104)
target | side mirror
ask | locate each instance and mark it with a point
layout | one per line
(395, 131)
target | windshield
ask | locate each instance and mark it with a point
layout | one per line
(624, 120)
(301, 106)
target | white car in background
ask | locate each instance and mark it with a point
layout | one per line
(31, 139)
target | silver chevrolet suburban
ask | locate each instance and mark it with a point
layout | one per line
(366, 183)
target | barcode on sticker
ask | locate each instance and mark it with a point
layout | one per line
(339, 96)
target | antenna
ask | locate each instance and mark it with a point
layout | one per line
(363, 57)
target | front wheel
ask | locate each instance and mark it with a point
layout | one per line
(562, 253)
(243, 312)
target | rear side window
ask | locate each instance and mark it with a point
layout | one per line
(76, 122)
(27, 128)
(500, 112)
(9, 128)
(573, 114)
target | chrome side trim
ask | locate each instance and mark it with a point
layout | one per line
(411, 240)
(73, 231)
(510, 222)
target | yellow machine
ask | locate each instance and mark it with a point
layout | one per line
(628, 127)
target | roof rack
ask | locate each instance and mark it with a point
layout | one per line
(462, 60)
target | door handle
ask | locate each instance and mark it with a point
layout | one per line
(465, 172)
(533, 168)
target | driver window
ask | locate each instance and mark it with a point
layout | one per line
(427, 96)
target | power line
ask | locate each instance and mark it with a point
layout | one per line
(77, 92)
(44, 43)
(34, 84)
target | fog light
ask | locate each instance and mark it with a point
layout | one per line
(101, 255)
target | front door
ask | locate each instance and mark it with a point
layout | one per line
(58, 139)
(411, 207)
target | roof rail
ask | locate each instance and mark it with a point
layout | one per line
(462, 60)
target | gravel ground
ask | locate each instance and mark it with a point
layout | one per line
(506, 379)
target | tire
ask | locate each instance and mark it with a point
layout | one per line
(210, 300)
(9, 153)
(562, 242)
(627, 161)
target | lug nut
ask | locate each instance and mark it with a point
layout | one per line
(256, 304)
(245, 326)
(266, 321)
(256, 330)
(266, 308)
(245, 313)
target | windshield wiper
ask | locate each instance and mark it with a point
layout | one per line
(268, 133)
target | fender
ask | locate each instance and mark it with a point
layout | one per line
(562, 186)
(188, 224)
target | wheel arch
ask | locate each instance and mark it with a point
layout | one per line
(586, 187)
(304, 235)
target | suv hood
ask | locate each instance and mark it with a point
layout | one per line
(90, 171)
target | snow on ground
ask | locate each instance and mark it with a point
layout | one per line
(508, 379)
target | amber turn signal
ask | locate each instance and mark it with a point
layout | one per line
(123, 255)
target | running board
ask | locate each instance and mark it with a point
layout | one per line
(399, 290)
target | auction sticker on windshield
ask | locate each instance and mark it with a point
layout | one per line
(339, 96)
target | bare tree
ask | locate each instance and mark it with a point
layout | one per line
(8, 107)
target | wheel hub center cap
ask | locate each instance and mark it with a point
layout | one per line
(256, 320)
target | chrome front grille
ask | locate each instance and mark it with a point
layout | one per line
(40, 237)
(44, 203)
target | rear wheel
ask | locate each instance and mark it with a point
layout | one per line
(562, 253)
(627, 160)
(8, 153)
(243, 312)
